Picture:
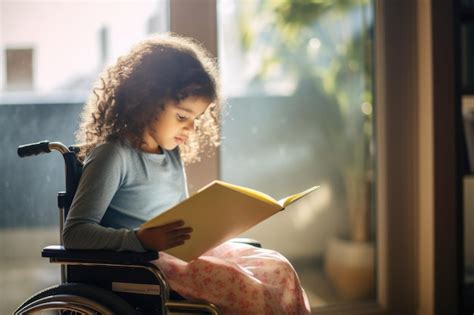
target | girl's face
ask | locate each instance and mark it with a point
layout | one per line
(174, 124)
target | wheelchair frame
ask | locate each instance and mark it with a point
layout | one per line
(77, 294)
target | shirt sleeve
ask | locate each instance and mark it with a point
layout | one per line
(102, 176)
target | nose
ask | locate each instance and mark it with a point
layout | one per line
(190, 125)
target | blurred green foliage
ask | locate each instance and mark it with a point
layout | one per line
(326, 47)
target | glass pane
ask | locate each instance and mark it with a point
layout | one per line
(50, 53)
(297, 76)
(69, 42)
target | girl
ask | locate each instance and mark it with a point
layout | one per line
(153, 108)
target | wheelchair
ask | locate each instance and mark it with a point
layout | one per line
(99, 281)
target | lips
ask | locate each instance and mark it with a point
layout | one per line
(181, 140)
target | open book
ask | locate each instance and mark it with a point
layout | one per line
(219, 212)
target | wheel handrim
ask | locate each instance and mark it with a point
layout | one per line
(65, 302)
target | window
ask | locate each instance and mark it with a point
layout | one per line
(298, 81)
(72, 42)
(19, 69)
(50, 54)
(398, 284)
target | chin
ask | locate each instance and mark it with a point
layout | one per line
(170, 147)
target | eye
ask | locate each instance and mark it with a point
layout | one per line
(180, 117)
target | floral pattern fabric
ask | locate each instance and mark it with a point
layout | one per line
(239, 279)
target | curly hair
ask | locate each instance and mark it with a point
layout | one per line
(129, 95)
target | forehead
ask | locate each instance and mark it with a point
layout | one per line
(194, 105)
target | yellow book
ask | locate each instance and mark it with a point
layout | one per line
(219, 212)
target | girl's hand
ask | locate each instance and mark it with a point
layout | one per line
(164, 236)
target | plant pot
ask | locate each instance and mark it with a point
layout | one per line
(350, 266)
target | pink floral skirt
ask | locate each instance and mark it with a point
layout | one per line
(239, 279)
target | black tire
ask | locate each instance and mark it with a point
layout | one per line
(108, 299)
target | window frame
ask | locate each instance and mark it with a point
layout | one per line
(198, 19)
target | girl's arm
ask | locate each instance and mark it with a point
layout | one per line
(102, 176)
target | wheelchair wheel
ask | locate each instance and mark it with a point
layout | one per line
(75, 298)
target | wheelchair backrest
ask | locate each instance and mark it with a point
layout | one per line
(73, 175)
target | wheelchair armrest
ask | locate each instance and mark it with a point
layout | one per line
(248, 241)
(60, 254)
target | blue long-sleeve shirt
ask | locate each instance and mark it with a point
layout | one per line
(120, 188)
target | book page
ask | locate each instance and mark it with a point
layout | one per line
(250, 192)
(285, 202)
